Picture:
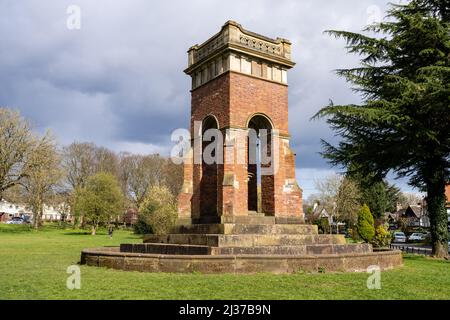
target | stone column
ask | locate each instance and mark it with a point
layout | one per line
(233, 196)
(185, 197)
(288, 195)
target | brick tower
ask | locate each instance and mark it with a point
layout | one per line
(239, 87)
(241, 212)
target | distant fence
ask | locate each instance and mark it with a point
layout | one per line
(413, 250)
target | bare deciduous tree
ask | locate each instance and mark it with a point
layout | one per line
(341, 197)
(348, 201)
(83, 160)
(106, 161)
(140, 173)
(407, 199)
(16, 144)
(40, 182)
(173, 177)
(79, 163)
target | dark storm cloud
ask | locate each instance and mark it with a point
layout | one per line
(118, 81)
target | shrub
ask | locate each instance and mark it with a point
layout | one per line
(365, 223)
(141, 226)
(158, 212)
(323, 225)
(382, 237)
(354, 234)
(403, 224)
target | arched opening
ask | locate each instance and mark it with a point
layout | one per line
(208, 183)
(261, 192)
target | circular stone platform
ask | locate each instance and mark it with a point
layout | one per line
(111, 257)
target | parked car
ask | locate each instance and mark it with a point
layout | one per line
(15, 220)
(415, 237)
(399, 237)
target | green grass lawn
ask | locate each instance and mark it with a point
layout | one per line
(33, 266)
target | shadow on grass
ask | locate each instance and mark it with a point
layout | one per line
(136, 237)
(15, 228)
(83, 233)
(422, 258)
(415, 257)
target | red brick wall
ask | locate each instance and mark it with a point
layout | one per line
(249, 95)
(233, 98)
(213, 98)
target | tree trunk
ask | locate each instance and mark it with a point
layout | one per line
(41, 213)
(438, 217)
(37, 215)
(82, 221)
(94, 230)
(35, 221)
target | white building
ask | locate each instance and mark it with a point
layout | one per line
(9, 210)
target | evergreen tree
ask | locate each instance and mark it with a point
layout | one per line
(365, 224)
(403, 123)
(380, 196)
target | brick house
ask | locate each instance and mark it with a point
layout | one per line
(319, 212)
(417, 216)
(130, 217)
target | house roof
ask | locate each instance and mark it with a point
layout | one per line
(415, 210)
(320, 212)
(392, 215)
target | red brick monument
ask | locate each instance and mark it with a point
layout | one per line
(239, 83)
(240, 210)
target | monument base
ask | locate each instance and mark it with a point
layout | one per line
(243, 248)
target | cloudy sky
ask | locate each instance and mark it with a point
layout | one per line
(118, 81)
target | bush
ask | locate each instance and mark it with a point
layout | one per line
(365, 223)
(353, 232)
(323, 225)
(158, 212)
(141, 226)
(382, 237)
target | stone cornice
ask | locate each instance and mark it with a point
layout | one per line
(233, 37)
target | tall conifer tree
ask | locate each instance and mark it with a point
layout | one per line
(403, 123)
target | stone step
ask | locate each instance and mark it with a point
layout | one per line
(338, 248)
(164, 248)
(294, 250)
(246, 219)
(262, 250)
(231, 228)
(177, 249)
(244, 240)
